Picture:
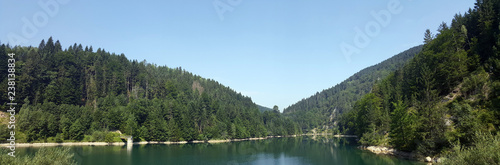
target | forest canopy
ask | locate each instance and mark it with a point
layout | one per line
(82, 94)
(447, 96)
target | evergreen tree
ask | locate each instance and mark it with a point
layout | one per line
(76, 131)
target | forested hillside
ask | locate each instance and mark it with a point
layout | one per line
(80, 94)
(323, 107)
(448, 96)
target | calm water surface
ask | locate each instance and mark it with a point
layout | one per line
(285, 151)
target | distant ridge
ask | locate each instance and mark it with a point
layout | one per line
(323, 107)
(263, 108)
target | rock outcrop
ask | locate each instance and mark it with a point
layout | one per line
(390, 151)
(401, 154)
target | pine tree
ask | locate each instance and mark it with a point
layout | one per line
(428, 37)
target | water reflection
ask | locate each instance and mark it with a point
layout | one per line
(129, 148)
(289, 151)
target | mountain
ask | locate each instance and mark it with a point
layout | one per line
(324, 106)
(78, 94)
(446, 100)
(263, 109)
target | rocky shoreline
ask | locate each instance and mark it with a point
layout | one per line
(400, 154)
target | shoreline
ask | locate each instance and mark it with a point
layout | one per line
(134, 143)
(156, 142)
(400, 154)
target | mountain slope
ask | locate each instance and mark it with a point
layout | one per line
(446, 98)
(79, 93)
(322, 107)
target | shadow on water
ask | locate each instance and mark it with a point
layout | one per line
(290, 151)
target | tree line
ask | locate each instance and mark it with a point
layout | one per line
(78, 94)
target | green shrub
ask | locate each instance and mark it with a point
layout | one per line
(476, 84)
(87, 138)
(59, 138)
(117, 139)
(486, 150)
(4, 132)
(109, 137)
(21, 137)
(98, 136)
(51, 140)
(372, 139)
(44, 156)
(202, 137)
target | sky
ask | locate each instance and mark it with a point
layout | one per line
(276, 52)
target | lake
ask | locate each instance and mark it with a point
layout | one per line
(285, 151)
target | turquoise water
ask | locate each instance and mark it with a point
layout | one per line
(285, 151)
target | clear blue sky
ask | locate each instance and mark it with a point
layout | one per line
(276, 52)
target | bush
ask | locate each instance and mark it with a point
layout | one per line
(485, 151)
(87, 138)
(201, 137)
(4, 133)
(51, 140)
(109, 137)
(372, 139)
(476, 84)
(112, 137)
(117, 139)
(44, 156)
(21, 137)
(59, 138)
(98, 136)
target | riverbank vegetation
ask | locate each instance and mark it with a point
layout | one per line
(446, 97)
(44, 156)
(484, 151)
